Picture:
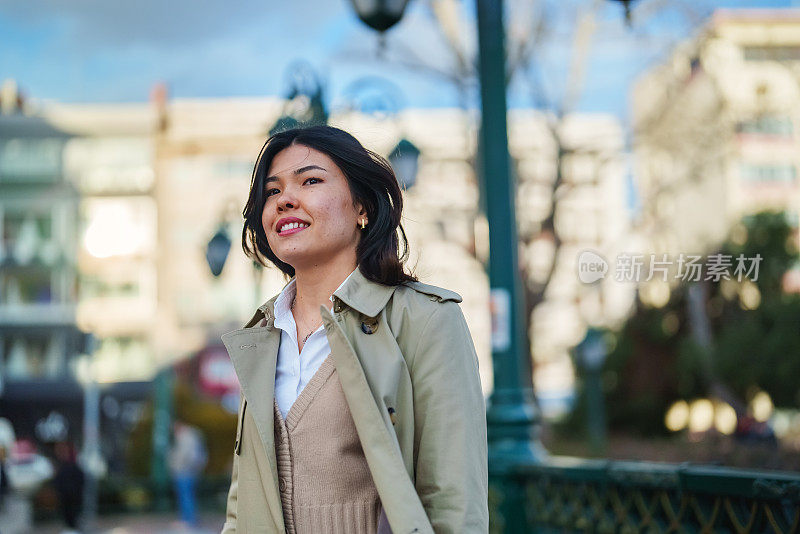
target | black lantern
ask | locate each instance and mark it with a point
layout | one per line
(405, 162)
(380, 15)
(217, 250)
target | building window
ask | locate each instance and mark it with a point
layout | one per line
(768, 173)
(772, 53)
(29, 257)
(93, 286)
(25, 286)
(124, 358)
(32, 357)
(22, 160)
(27, 237)
(766, 125)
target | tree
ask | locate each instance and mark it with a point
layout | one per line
(657, 358)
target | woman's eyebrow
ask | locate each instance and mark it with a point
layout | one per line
(301, 170)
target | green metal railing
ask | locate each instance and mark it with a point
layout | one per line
(578, 495)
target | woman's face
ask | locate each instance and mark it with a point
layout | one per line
(305, 187)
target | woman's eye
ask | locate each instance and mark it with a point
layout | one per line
(270, 192)
(317, 179)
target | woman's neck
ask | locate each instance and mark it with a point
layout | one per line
(314, 287)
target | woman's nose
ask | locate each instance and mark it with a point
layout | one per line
(287, 199)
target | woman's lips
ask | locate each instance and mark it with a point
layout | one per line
(292, 231)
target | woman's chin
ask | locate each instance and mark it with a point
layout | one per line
(298, 260)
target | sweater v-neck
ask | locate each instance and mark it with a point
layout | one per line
(310, 390)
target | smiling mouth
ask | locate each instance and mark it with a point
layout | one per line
(292, 228)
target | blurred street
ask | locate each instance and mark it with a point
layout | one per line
(142, 524)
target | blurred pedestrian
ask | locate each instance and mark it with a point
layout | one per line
(187, 459)
(68, 482)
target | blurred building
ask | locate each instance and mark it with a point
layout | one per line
(110, 162)
(153, 182)
(38, 275)
(65, 173)
(716, 129)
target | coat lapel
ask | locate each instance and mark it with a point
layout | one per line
(403, 509)
(254, 353)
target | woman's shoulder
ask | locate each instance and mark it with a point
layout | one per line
(421, 300)
(427, 320)
(433, 293)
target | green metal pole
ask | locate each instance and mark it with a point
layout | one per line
(511, 414)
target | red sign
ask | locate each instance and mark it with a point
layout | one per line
(217, 375)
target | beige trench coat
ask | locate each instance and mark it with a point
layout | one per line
(413, 389)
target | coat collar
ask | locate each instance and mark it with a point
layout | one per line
(358, 292)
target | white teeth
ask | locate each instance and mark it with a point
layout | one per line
(292, 226)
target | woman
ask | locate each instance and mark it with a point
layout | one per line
(361, 407)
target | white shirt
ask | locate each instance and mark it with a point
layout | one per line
(295, 369)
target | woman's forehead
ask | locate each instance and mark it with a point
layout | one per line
(295, 157)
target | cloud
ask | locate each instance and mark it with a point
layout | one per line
(176, 23)
(88, 50)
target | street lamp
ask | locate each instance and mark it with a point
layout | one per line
(404, 159)
(217, 250)
(380, 15)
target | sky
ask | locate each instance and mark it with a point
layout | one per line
(101, 51)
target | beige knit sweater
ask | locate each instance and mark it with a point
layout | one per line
(324, 481)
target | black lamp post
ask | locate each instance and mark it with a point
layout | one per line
(380, 15)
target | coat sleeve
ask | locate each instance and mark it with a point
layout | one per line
(450, 425)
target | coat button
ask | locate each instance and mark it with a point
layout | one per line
(369, 325)
(282, 484)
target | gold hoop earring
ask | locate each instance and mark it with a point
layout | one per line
(363, 223)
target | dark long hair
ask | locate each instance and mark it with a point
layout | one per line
(372, 183)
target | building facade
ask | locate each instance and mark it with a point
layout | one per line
(715, 129)
(39, 340)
